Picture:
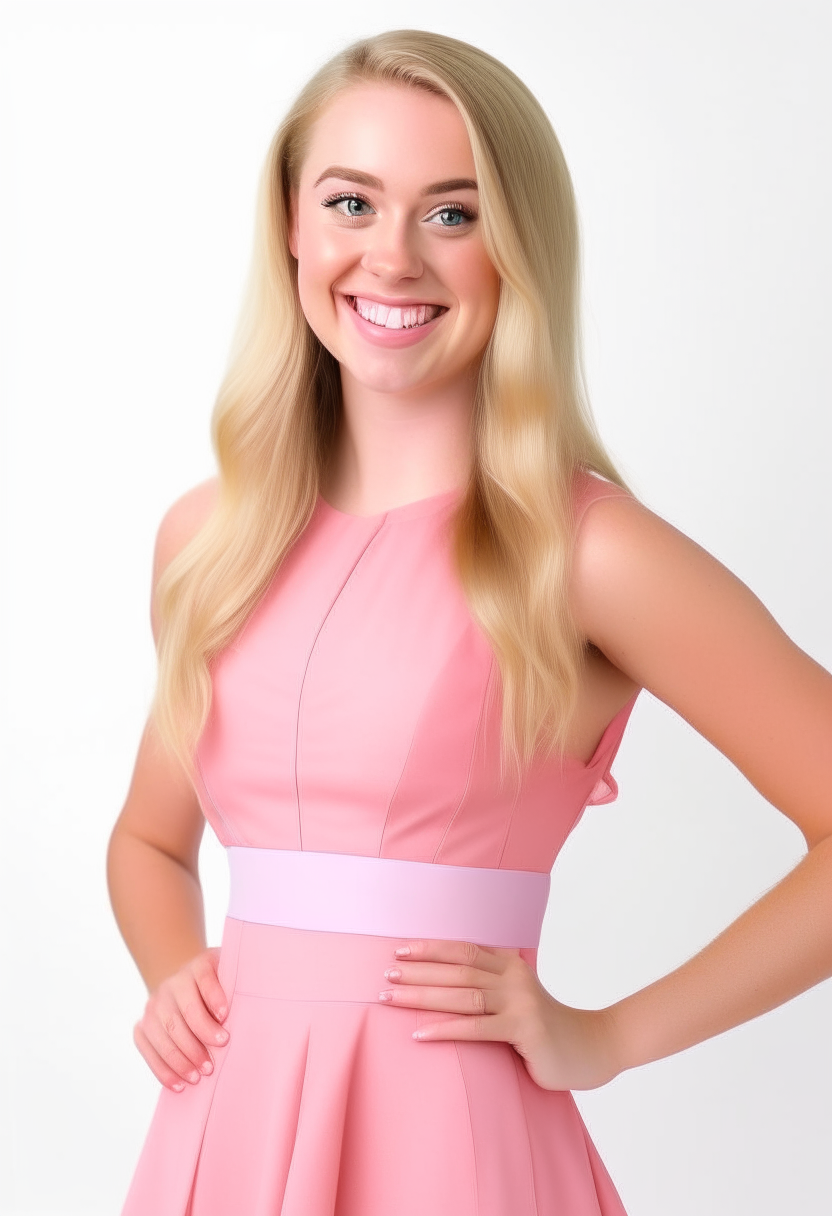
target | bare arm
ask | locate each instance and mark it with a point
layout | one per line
(674, 619)
(152, 866)
(153, 877)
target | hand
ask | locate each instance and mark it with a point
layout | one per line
(176, 1025)
(496, 995)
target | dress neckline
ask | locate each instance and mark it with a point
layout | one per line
(408, 510)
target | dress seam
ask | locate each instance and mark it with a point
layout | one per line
(312, 1000)
(214, 804)
(517, 1066)
(470, 1128)
(298, 1113)
(392, 797)
(413, 735)
(510, 818)
(463, 795)
(216, 1077)
(339, 592)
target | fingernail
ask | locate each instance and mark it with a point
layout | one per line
(193, 1077)
(221, 1012)
(392, 973)
(206, 1067)
(385, 996)
(221, 1036)
(178, 1086)
(402, 950)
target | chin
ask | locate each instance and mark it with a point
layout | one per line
(388, 376)
(391, 382)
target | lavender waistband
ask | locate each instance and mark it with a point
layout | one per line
(387, 896)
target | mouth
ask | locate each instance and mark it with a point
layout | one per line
(386, 316)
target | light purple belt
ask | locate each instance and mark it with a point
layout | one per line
(387, 896)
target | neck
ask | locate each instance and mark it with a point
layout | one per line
(395, 448)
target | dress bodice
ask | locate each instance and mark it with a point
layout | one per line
(358, 710)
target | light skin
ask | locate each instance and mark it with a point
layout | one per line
(386, 212)
(659, 612)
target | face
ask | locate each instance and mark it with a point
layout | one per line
(393, 276)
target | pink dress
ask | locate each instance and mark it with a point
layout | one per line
(353, 715)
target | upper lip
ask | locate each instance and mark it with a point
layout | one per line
(391, 301)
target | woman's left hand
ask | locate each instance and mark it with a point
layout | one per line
(494, 994)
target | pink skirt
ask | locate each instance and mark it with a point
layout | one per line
(322, 1104)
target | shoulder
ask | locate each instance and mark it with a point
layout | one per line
(638, 584)
(178, 526)
(659, 606)
(676, 621)
(589, 488)
(608, 521)
(181, 522)
(625, 555)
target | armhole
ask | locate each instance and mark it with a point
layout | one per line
(589, 488)
(606, 787)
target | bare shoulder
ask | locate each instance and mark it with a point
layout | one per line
(673, 618)
(627, 560)
(179, 525)
(162, 807)
(182, 521)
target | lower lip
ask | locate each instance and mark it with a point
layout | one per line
(395, 338)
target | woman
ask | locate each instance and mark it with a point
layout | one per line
(399, 640)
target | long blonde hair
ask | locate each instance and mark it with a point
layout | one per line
(276, 410)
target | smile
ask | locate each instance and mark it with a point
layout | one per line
(388, 317)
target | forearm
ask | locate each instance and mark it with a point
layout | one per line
(778, 948)
(157, 904)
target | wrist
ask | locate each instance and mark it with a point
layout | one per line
(625, 1053)
(174, 959)
(605, 1034)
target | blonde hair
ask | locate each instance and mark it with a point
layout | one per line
(276, 409)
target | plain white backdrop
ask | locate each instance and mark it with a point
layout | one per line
(131, 138)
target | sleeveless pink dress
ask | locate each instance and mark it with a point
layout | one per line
(353, 715)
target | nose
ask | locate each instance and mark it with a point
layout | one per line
(391, 252)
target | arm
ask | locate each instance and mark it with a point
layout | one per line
(675, 620)
(152, 872)
(670, 618)
(152, 865)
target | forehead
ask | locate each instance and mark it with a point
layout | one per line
(400, 134)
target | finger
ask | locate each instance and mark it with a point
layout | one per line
(485, 958)
(451, 975)
(197, 1016)
(468, 1028)
(158, 1066)
(210, 989)
(471, 1001)
(175, 1042)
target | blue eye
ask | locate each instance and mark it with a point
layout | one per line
(348, 205)
(452, 217)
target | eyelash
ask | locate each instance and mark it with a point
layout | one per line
(459, 208)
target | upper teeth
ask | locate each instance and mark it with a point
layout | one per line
(395, 318)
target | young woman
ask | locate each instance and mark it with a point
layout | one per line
(399, 640)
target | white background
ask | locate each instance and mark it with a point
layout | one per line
(132, 134)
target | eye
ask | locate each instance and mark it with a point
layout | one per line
(351, 206)
(452, 216)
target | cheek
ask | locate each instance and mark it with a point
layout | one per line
(479, 283)
(474, 271)
(323, 259)
(322, 253)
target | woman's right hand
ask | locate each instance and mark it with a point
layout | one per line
(182, 1015)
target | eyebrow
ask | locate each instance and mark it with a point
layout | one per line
(375, 183)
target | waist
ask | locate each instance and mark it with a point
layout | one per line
(387, 896)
